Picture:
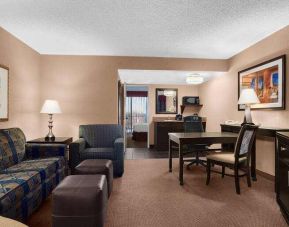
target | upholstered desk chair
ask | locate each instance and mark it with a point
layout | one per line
(239, 159)
(194, 124)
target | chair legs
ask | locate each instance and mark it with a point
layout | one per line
(208, 172)
(248, 175)
(223, 171)
(237, 183)
(197, 161)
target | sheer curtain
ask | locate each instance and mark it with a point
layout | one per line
(136, 111)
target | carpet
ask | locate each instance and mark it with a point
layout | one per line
(149, 196)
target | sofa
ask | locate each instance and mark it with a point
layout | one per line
(25, 182)
(99, 141)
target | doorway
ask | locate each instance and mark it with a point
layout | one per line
(136, 114)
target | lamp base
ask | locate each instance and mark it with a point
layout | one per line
(248, 116)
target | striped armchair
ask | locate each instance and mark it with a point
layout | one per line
(102, 141)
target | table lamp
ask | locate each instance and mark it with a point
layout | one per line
(50, 107)
(248, 97)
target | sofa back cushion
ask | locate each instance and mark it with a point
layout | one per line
(102, 135)
(12, 147)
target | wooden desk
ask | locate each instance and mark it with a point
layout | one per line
(261, 132)
(196, 138)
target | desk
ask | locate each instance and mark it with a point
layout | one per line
(196, 138)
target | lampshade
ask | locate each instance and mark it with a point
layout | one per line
(248, 96)
(50, 107)
(194, 79)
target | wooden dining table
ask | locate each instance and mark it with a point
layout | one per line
(193, 138)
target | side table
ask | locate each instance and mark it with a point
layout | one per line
(58, 140)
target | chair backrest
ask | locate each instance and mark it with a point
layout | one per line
(100, 135)
(245, 141)
(12, 147)
(193, 124)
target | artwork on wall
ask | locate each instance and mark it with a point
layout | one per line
(4, 78)
(268, 81)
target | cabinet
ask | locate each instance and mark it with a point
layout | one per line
(162, 128)
(282, 172)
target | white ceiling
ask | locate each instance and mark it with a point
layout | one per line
(167, 28)
(161, 76)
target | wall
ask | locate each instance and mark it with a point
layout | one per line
(183, 90)
(24, 81)
(220, 95)
(86, 86)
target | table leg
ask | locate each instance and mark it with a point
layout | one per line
(181, 164)
(253, 162)
(170, 155)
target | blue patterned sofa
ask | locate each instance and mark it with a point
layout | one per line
(25, 182)
(102, 141)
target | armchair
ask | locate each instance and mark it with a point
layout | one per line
(103, 141)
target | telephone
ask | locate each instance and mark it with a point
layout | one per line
(232, 122)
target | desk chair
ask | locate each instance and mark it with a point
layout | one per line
(239, 159)
(194, 124)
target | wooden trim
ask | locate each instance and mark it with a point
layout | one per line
(265, 175)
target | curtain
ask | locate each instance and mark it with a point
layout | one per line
(136, 111)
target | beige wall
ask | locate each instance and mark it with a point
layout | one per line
(86, 86)
(220, 95)
(183, 90)
(24, 81)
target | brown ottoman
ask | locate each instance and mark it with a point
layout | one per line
(80, 200)
(97, 166)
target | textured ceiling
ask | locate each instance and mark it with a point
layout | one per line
(167, 28)
(161, 76)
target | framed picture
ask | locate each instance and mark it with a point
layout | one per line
(4, 81)
(268, 81)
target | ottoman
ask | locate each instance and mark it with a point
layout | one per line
(80, 200)
(97, 166)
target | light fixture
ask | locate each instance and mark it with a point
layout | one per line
(194, 79)
(248, 97)
(169, 93)
(50, 107)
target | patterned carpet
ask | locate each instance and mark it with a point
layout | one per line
(149, 196)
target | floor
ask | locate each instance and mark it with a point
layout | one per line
(145, 153)
(149, 196)
(130, 143)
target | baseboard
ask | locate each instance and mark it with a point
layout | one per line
(265, 175)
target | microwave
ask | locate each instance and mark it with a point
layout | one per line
(191, 100)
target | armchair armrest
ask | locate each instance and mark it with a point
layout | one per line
(38, 150)
(119, 145)
(75, 148)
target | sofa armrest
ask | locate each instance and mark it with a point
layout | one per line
(119, 148)
(75, 148)
(38, 150)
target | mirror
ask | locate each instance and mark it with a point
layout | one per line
(166, 101)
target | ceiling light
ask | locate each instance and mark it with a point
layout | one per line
(169, 93)
(194, 79)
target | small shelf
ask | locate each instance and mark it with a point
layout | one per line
(192, 105)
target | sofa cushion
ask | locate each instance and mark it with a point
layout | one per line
(97, 153)
(12, 147)
(101, 135)
(46, 167)
(14, 187)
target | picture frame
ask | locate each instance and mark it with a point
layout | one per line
(4, 89)
(268, 79)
